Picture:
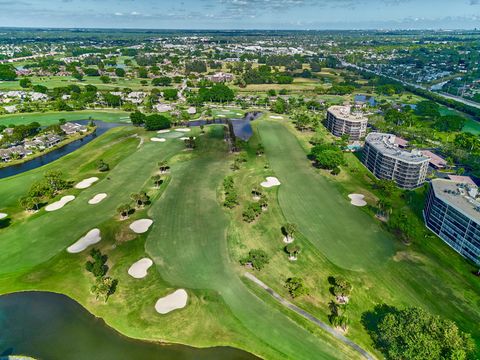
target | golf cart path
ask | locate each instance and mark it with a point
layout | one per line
(309, 316)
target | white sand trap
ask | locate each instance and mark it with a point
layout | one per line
(60, 203)
(183, 138)
(86, 183)
(3, 216)
(357, 200)
(92, 237)
(276, 117)
(176, 300)
(141, 226)
(239, 114)
(155, 139)
(97, 199)
(139, 269)
(164, 131)
(271, 181)
(183, 130)
(221, 116)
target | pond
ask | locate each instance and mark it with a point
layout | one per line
(102, 127)
(241, 126)
(52, 326)
(359, 98)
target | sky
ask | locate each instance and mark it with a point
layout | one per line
(243, 14)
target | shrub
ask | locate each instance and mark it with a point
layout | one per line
(257, 258)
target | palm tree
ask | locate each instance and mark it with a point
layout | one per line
(163, 167)
(289, 229)
(293, 250)
(263, 202)
(157, 180)
(256, 193)
(124, 211)
(140, 199)
(384, 206)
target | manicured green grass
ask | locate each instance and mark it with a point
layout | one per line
(189, 247)
(42, 235)
(427, 273)
(62, 81)
(338, 229)
(49, 118)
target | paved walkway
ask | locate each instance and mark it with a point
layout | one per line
(309, 317)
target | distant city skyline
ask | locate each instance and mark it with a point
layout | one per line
(243, 14)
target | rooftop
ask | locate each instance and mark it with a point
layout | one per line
(459, 195)
(345, 113)
(386, 144)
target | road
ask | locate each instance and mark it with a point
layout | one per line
(442, 94)
(309, 317)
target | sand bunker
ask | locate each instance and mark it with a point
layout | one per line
(276, 117)
(155, 139)
(183, 129)
(92, 237)
(183, 138)
(86, 183)
(176, 300)
(3, 216)
(60, 203)
(357, 200)
(97, 199)
(271, 181)
(139, 269)
(141, 226)
(164, 131)
(221, 116)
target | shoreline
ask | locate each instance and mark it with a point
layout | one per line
(70, 139)
(159, 342)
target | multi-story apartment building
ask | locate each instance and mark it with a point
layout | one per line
(382, 156)
(341, 120)
(452, 211)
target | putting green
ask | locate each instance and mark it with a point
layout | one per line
(188, 244)
(345, 234)
(46, 234)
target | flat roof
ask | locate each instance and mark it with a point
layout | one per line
(457, 195)
(345, 113)
(386, 144)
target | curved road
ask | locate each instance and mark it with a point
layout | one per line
(309, 317)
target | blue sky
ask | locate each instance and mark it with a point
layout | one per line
(243, 14)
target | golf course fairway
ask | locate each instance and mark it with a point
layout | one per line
(188, 244)
(346, 235)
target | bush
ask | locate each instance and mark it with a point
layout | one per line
(251, 212)
(157, 122)
(296, 287)
(257, 258)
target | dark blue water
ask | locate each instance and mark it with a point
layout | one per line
(102, 127)
(241, 127)
(365, 99)
(52, 326)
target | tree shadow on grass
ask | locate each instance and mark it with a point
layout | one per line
(372, 318)
(5, 223)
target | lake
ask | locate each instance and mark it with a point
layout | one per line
(51, 326)
(53, 155)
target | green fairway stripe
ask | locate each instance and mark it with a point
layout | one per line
(345, 234)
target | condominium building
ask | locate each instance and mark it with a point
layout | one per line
(452, 211)
(341, 120)
(383, 157)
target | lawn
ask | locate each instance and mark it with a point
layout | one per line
(338, 229)
(189, 232)
(189, 247)
(49, 118)
(427, 273)
(62, 81)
